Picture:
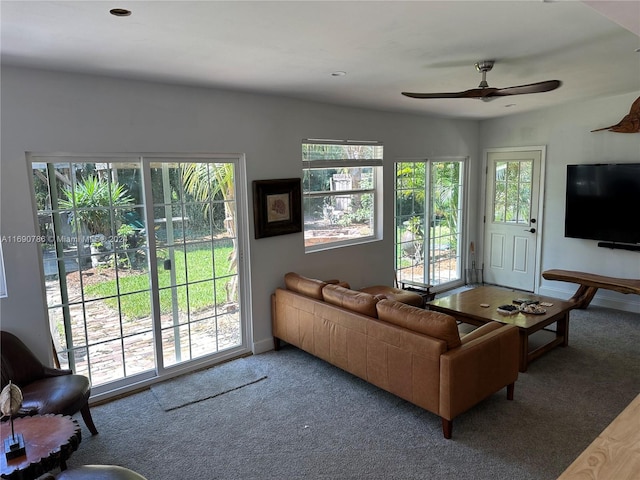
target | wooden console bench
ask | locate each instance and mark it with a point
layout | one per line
(613, 455)
(589, 284)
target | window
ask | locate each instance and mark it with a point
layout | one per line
(342, 187)
(512, 203)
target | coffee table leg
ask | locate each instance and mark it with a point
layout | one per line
(562, 329)
(524, 351)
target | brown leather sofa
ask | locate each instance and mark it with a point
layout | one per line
(413, 353)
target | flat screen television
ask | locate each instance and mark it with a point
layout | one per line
(603, 202)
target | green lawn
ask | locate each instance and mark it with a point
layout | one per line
(204, 293)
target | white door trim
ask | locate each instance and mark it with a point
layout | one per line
(540, 219)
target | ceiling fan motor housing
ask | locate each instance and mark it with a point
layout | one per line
(484, 67)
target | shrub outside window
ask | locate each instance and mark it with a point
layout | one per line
(342, 187)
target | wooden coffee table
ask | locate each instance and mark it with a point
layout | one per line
(49, 440)
(466, 307)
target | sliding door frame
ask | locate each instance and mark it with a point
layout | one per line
(162, 372)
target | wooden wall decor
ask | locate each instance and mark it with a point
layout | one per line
(629, 124)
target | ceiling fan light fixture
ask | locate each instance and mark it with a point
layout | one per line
(339, 73)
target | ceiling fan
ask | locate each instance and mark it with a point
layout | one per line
(487, 93)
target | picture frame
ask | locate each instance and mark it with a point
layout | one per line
(277, 207)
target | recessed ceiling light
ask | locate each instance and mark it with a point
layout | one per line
(120, 12)
(339, 73)
(510, 105)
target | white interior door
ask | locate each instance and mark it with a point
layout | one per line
(512, 217)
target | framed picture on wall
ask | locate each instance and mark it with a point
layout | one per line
(277, 207)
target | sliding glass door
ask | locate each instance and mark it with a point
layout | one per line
(141, 261)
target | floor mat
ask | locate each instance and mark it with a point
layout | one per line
(199, 386)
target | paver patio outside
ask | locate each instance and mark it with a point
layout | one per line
(219, 330)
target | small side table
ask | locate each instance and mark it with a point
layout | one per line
(49, 440)
(421, 289)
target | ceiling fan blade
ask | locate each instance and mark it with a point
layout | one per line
(492, 92)
(473, 93)
(524, 89)
(485, 92)
(433, 95)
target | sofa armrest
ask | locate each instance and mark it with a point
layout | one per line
(480, 331)
(477, 369)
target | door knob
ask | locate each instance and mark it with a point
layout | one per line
(532, 230)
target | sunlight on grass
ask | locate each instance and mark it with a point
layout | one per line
(207, 292)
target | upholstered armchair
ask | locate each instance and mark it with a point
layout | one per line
(44, 389)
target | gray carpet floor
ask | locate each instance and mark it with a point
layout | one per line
(310, 420)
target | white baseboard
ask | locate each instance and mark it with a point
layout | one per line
(262, 346)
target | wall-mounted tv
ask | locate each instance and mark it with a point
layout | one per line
(603, 202)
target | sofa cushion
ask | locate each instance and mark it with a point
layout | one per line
(434, 324)
(309, 287)
(393, 293)
(353, 300)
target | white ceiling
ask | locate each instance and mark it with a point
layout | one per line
(291, 48)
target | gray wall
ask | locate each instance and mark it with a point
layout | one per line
(566, 131)
(56, 112)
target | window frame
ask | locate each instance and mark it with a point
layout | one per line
(376, 190)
